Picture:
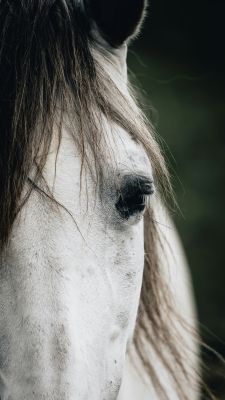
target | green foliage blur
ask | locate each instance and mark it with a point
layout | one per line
(179, 63)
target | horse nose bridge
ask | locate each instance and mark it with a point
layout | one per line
(60, 347)
(43, 365)
(3, 387)
(43, 344)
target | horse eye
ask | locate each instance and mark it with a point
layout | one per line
(133, 194)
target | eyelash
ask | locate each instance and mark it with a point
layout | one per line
(133, 197)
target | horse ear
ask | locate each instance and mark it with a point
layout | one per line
(117, 20)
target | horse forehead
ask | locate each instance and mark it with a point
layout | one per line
(127, 151)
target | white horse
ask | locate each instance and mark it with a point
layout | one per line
(78, 167)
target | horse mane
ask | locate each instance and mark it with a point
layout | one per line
(50, 66)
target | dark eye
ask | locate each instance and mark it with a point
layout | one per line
(132, 195)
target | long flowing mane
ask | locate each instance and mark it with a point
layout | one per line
(50, 66)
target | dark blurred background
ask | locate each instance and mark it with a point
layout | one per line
(179, 62)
